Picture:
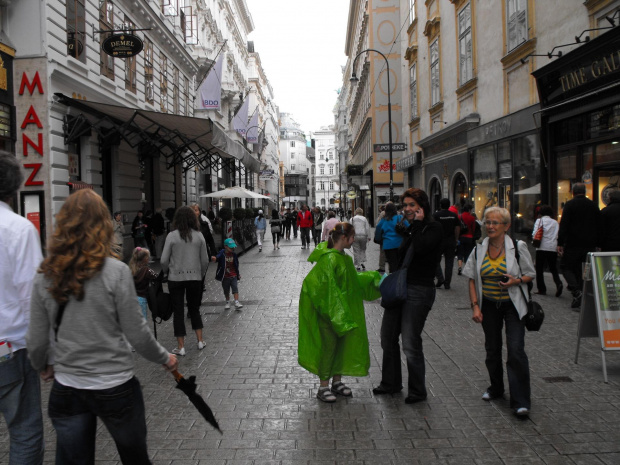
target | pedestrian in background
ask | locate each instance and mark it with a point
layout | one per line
(387, 236)
(289, 219)
(332, 326)
(185, 260)
(294, 224)
(305, 223)
(20, 255)
(610, 224)
(382, 260)
(329, 224)
(451, 226)
(466, 237)
(494, 279)
(578, 235)
(228, 272)
(206, 229)
(142, 276)
(276, 223)
(362, 237)
(547, 252)
(317, 220)
(83, 308)
(158, 226)
(119, 231)
(407, 321)
(260, 223)
(138, 231)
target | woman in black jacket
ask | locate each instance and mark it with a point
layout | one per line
(424, 234)
(205, 229)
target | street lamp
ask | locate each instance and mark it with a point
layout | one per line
(354, 80)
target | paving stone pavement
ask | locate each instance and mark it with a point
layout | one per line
(267, 409)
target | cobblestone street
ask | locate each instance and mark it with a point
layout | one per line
(269, 414)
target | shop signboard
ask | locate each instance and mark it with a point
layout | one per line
(600, 305)
(122, 45)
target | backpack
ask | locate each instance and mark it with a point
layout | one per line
(159, 302)
(464, 229)
(477, 231)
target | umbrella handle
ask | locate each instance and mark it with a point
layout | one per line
(177, 376)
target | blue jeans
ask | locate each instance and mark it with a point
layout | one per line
(517, 364)
(20, 403)
(144, 306)
(227, 284)
(408, 322)
(74, 415)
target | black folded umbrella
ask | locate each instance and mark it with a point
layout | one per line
(188, 386)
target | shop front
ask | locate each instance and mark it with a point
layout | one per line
(506, 168)
(445, 162)
(580, 120)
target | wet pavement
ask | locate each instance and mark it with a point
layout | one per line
(267, 409)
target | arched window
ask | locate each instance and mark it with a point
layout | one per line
(435, 194)
(460, 192)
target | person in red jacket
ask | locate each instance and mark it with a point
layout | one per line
(304, 222)
(466, 240)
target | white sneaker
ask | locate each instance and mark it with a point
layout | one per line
(522, 412)
(227, 306)
(178, 351)
(201, 345)
(238, 304)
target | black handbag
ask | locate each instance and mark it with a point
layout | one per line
(394, 287)
(535, 314)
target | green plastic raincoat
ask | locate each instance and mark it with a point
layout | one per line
(332, 324)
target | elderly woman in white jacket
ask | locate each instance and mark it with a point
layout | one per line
(494, 280)
(547, 253)
(362, 236)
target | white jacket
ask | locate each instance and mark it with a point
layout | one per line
(551, 228)
(361, 226)
(472, 270)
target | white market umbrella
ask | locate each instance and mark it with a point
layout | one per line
(535, 189)
(235, 192)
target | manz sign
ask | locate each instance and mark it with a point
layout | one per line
(122, 45)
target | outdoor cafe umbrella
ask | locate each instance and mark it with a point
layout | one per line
(236, 192)
(188, 386)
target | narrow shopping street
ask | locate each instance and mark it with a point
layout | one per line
(269, 414)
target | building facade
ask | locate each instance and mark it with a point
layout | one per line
(295, 164)
(125, 127)
(327, 169)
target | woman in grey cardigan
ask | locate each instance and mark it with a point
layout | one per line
(88, 298)
(185, 260)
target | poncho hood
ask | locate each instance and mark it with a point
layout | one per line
(321, 250)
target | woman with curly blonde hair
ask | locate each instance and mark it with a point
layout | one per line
(88, 298)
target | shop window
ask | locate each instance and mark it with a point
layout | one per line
(604, 122)
(484, 184)
(527, 194)
(130, 63)
(504, 160)
(568, 131)
(106, 23)
(608, 182)
(466, 64)
(435, 87)
(435, 194)
(76, 27)
(607, 153)
(459, 190)
(516, 23)
(566, 177)
(587, 170)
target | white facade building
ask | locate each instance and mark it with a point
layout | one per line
(327, 168)
(293, 157)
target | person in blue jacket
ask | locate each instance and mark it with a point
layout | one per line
(386, 235)
(261, 224)
(228, 272)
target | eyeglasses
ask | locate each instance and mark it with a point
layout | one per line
(493, 223)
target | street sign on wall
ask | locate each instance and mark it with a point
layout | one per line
(397, 147)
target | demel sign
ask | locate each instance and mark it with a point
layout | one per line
(122, 45)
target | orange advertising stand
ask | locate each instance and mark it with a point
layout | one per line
(600, 304)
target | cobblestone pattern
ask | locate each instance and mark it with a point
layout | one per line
(267, 408)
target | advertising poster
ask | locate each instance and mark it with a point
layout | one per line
(606, 276)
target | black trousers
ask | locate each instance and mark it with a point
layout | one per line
(551, 259)
(571, 267)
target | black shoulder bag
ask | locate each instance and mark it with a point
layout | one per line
(394, 287)
(535, 314)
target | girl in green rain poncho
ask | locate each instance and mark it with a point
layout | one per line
(332, 325)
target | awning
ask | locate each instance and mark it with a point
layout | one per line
(180, 139)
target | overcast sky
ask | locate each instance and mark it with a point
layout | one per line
(301, 46)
